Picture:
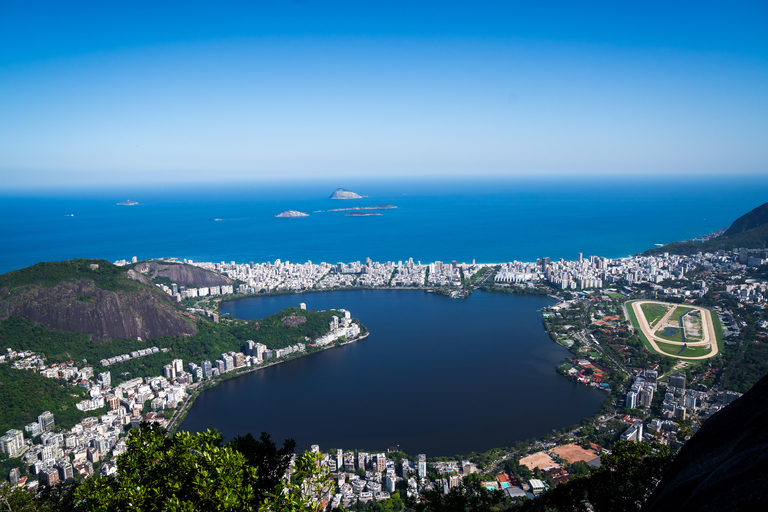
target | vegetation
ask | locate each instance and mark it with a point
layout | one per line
(277, 331)
(755, 238)
(46, 274)
(24, 395)
(187, 472)
(654, 312)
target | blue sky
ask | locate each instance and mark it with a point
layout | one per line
(118, 92)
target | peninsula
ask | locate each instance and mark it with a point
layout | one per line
(340, 193)
(288, 214)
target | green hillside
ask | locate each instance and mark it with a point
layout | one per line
(51, 273)
(749, 230)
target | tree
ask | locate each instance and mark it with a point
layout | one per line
(187, 472)
(308, 487)
(263, 455)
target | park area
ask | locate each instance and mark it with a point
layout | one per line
(682, 331)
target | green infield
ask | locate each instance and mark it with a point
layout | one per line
(654, 312)
(670, 333)
(674, 318)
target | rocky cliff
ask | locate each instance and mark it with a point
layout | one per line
(94, 298)
(724, 466)
(183, 275)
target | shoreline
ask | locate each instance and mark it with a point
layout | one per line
(180, 414)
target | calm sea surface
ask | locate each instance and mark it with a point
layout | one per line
(486, 220)
(436, 376)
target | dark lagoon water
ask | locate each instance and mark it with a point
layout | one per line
(436, 376)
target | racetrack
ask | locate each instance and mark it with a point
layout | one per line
(708, 329)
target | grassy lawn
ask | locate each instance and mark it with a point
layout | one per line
(679, 312)
(669, 349)
(676, 336)
(718, 327)
(673, 350)
(615, 295)
(653, 312)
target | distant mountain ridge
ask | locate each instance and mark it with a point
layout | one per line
(751, 220)
(93, 297)
(750, 231)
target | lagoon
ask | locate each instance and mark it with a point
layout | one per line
(436, 376)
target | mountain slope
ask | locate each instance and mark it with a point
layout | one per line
(749, 230)
(181, 274)
(724, 467)
(751, 220)
(93, 297)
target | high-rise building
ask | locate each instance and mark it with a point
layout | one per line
(46, 421)
(207, 369)
(14, 476)
(178, 365)
(677, 380)
(65, 471)
(48, 477)
(631, 400)
(105, 380)
(12, 443)
(229, 362)
(169, 372)
(646, 396)
(421, 470)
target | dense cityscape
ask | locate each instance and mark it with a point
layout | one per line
(655, 404)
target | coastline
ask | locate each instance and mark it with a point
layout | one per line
(180, 414)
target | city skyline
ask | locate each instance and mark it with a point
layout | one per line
(107, 94)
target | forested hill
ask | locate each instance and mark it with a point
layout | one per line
(749, 230)
(93, 297)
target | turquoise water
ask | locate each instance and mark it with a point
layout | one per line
(486, 220)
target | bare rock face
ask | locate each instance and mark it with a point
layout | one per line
(291, 214)
(340, 193)
(144, 312)
(294, 321)
(183, 275)
(724, 466)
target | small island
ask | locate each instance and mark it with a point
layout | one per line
(289, 214)
(384, 206)
(340, 193)
(362, 214)
(127, 202)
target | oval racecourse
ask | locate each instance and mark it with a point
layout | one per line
(672, 329)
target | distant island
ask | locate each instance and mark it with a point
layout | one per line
(340, 193)
(127, 202)
(292, 214)
(384, 206)
(362, 214)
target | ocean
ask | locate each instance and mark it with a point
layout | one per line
(487, 220)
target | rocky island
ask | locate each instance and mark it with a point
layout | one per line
(362, 214)
(384, 206)
(292, 214)
(127, 202)
(340, 193)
